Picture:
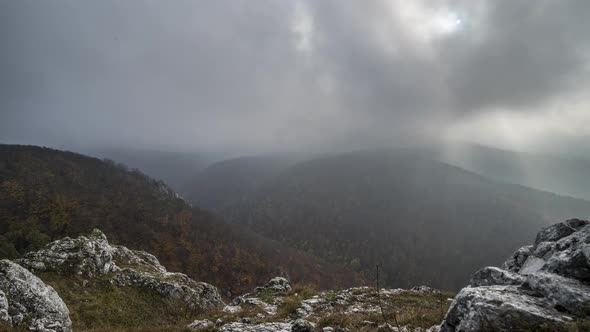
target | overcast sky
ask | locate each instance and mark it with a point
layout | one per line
(254, 75)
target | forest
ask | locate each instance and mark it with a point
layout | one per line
(47, 194)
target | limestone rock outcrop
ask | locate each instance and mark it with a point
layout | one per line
(545, 284)
(94, 257)
(27, 300)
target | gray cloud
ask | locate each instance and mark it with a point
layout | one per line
(254, 76)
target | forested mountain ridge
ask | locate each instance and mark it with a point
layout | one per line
(227, 184)
(413, 215)
(47, 194)
(174, 168)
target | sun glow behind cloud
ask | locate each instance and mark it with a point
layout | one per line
(302, 27)
(425, 22)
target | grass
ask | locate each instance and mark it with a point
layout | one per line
(101, 306)
(5, 327)
(288, 308)
(406, 308)
(292, 300)
(416, 309)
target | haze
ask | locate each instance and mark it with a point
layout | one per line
(258, 76)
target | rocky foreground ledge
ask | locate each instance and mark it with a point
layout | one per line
(279, 307)
(541, 287)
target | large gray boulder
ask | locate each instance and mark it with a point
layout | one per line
(94, 257)
(26, 299)
(498, 308)
(545, 283)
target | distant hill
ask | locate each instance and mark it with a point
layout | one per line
(227, 184)
(46, 194)
(562, 175)
(423, 220)
(174, 168)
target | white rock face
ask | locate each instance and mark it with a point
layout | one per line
(26, 299)
(497, 308)
(88, 256)
(548, 282)
(94, 257)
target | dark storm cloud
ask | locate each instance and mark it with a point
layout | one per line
(259, 75)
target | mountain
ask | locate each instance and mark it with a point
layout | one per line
(230, 183)
(174, 168)
(47, 194)
(411, 214)
(562, 175)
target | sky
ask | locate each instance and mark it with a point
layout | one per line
(255, 76)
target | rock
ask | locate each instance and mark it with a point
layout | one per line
(328, 329)
(577, 224)
(495, 276)
(301, 325)
(27, 299)
(515, 262)
(543, 283)
(176, 286)
(554, 232)
(278, 284)
(369, 323)
(95, 257)
(543, 249)
(267, 297)
(17, 319)
(4, 308)
(497, 308)
(199, 324)
(571, 257)
(425, 289)
(531, 265)
(232, 309)
(563, 293)
(263, 327)
(89, 256)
